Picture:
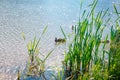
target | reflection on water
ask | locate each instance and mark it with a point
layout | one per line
(30, 17)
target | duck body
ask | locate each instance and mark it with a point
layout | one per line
(106, 41)
(60, 40)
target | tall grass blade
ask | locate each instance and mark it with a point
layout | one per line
(44, 30)
(63, 32)
(116, 11)
(93, 7)
(48, 55)
(105, 13)
(23, 35)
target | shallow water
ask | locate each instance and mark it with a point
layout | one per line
(30, 17)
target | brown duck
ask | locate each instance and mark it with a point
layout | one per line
(105, 41)
(60, 40)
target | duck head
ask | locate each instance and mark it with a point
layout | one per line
(55, 39)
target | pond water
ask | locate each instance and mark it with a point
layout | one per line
(30, 17)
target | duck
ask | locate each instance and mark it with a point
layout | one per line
(60, 40)
(105, 41)
(72, 27)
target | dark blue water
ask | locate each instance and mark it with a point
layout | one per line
(30, 17)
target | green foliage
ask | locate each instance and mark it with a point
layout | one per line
(36, 65)
(114, 61)
(82, 61)
(63, 32)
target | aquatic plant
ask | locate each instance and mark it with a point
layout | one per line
(114, 61)
(36, 65)
(83, 57)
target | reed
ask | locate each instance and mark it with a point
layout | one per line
(114, 57)
(36, 65)
(83, 60)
